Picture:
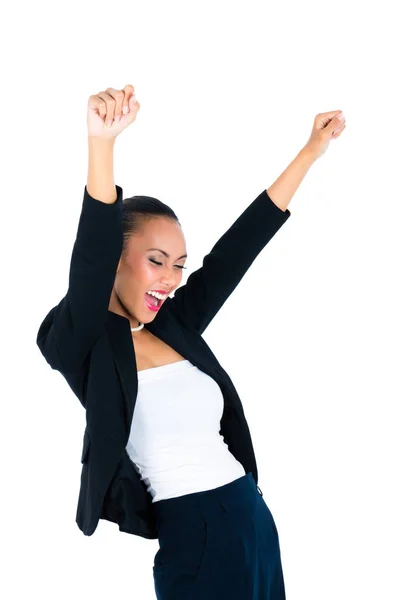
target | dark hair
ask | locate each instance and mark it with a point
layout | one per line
(138, 210)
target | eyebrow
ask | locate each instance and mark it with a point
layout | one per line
(165, 254)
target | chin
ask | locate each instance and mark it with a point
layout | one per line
(147, 317)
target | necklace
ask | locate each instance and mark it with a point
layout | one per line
(141, 325)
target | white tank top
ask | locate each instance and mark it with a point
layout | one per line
(174, 442)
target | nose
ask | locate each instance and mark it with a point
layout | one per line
(168, 281)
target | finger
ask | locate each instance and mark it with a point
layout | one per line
(336, 123)
(328, 115)
(328, 121)
(133, 103)
(118, 96)
(108, 107)
(129, 91)
(338, 131)
(133, 110)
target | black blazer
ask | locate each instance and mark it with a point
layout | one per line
(93, 350)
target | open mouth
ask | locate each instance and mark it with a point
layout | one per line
(152, 302)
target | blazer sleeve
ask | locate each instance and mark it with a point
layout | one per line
(70, 329)
(207, 289)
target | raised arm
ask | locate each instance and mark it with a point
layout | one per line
(206, 290)
(70, 329)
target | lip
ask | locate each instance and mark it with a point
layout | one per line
(150, 306)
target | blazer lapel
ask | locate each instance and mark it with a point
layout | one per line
(120, 337)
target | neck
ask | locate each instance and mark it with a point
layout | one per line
(118, 307)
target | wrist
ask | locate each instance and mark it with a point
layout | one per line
(309, 154)
(100, 142)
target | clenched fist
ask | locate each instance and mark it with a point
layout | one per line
(327, 126)
(111, 112)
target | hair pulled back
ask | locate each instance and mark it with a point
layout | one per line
(138, 210)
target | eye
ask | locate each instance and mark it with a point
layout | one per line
(158, 263)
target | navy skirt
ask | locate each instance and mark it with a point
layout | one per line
(218, 544)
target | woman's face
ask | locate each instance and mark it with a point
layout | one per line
(144, 269)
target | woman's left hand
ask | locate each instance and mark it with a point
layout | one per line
(327, 126)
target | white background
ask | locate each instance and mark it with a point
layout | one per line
(228, 92)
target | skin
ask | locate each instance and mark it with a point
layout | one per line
(136, 273)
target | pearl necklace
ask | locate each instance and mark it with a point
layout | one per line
(141, 325)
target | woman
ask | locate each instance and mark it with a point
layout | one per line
(183, 471)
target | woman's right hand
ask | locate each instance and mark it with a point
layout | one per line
(105, 106)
